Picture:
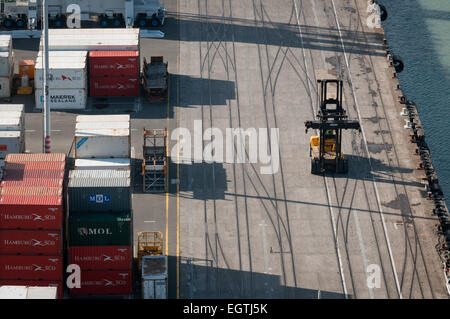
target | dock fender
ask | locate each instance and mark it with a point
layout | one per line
(398, 64)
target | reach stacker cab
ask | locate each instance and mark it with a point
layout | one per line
(326, 148)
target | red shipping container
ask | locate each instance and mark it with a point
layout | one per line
(36, 283)
(113, 63)
(30, 242)
(50, 157)
(30, 191)
(35, 166)
(114, 86)
(31, 267)
(104, 282)
(101, 257)
(31, 212)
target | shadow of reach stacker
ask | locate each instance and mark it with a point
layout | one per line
(326, 149)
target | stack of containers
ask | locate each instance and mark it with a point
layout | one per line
(6, 65)
(99, 202)
(12, 131)
(68, 84)
(114, 73)
(31, 220)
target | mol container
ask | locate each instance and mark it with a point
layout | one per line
(30, 242)
(99, 191)
(11, 142)
(154, 277)
(68, 72)
(60, 99)
(36, 283)
(31, 212)
(103, 163)
(104, 282)
(113, 63)
(31, 267)
(100, 229)
(101, 143)
(101, 257)
(114, 86)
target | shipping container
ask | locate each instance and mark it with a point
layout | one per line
(66, 73)
(6, 63)
(100, 229)
(101, 143)
(11, 142)
(31, 267)
(100, 174)
(36, 283)
(27, 177)
(113, 63)
(101, 257)
(11, 124)
(154, 277)
(114, 86)
(61, 99)
(30, 191)
(5, 86)
(103, 118)
(104, 282)
(103, 163)
(30, 242)
(12, 107)
(100, 125)
(38, 157)
(30, 167)
(31, 212)
(5, 43)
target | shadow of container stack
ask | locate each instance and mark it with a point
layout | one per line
(99, 202)
(31, 220)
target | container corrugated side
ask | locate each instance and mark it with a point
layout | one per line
(11, 124)
(12, 107)
(113, 63)
(99, 194)
(46, 178)
(11, 142)
(35, 166)
(102, 143)
(96, 174)
(5, 86)
(104, 282)
(35, 283)
(30, 191)
(68, 73)
(51, 157)
(99, 229)
(101, 257)
(30, 242)
(6, 63)
(31, 267)
(62, 99)
(100, 125)
(103, 118)
(114, 86)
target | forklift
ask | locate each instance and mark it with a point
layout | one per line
(326, 149)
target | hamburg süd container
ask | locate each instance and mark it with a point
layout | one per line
(103, 163)
(99, 194)
(113, 63)
(102, 143)
(11, 142)
(31, 267)
(154, 277)
(101, 257)
(35, 283)
(21, 158)
(104, 282)
(32, 177)
(65, 73)
(30, 242)
(99, 229)
(60, 99)
(114, 86)
(31, 212)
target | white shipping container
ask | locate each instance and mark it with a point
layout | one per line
(5, 86)
(103, 118)
(6, 63)
(65, 73)
(154, 277)
(62, 54)
(27, 292)
(11, 142)
(42, 293)
(101, 125)
(102, 143)
(5, 43)
(62, 99)
(12, 107)
(102, 163)
(11, 124)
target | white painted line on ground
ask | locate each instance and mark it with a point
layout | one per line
(149, 221)
(368, 154)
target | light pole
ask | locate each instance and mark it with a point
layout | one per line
(46, 107)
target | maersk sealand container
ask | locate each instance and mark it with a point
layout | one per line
(99, 191)
(100, 229)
